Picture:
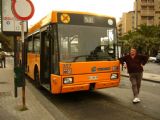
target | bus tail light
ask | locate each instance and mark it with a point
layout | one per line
(114, 76)
(68, 80)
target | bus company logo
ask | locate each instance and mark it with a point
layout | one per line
(93, 69)
(103, 69)
(65, 18)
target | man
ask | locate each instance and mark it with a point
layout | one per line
(3, 58)
(135, 63)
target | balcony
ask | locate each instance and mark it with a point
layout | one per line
(147, 12)
(147, 3)
(147, 22)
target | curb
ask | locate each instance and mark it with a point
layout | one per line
(145, 79)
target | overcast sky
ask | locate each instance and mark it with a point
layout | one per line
(113, 8)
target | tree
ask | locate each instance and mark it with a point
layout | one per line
(146, 39)
(127, 41)
(5, 42)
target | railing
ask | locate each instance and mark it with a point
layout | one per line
(149, 3)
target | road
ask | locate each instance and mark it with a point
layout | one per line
(108, 104)
(104, 104)
(151, 67)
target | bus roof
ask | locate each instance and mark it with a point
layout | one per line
(52, 18)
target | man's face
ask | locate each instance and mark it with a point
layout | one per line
(133, 52)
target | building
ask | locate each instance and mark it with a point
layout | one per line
(145, 12)
(126, 23)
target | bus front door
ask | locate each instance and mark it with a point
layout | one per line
(45, 61)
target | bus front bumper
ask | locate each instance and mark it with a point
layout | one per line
(88, 86)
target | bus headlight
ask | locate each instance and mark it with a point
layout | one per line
(114, 76)
(68, 80)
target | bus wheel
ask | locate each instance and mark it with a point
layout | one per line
(36, 78)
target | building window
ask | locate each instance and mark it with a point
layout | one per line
(143, 1)
(144, 7)
(151, 8)
(151, 1)
(150, 18)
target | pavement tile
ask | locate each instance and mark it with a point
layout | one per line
(10, 106)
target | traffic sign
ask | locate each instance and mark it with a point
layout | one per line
(10, 24)
(18, 7)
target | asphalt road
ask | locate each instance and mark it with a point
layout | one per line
(106, 104)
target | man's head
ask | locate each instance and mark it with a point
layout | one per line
(133, 52)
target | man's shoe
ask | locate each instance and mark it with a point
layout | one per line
(136, 100)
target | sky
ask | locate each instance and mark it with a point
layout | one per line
(113, 8)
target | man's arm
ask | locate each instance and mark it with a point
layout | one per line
(144, 59)
(122, 59)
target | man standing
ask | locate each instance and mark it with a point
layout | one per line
(135, 63)
(3, 58)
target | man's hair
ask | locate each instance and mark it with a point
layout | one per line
(133, 47)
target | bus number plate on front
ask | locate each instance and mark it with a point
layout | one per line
(92, 77)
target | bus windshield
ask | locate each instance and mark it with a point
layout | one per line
(79, 43)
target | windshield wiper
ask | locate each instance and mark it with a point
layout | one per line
(101, 54)
(76, 58)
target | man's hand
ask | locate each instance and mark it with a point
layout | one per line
(142, 65)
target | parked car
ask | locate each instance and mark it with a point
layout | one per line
(158, 58)
(152, 59)
(7, 54)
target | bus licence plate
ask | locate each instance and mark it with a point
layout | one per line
(93, 77)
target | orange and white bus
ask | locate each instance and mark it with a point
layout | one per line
(73, 51)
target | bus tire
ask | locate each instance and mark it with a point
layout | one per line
(36, 78)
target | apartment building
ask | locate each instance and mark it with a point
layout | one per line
(126, 23)
(145, 12)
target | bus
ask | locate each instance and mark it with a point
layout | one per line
(71, 51)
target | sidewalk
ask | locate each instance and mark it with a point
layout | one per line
(10, 106)
(146, 76)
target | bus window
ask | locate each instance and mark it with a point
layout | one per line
(86, 43)
(69, 45)
(30, 44)
(36, 40)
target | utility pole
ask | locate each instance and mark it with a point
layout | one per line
(23, 67)
(17, 7)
